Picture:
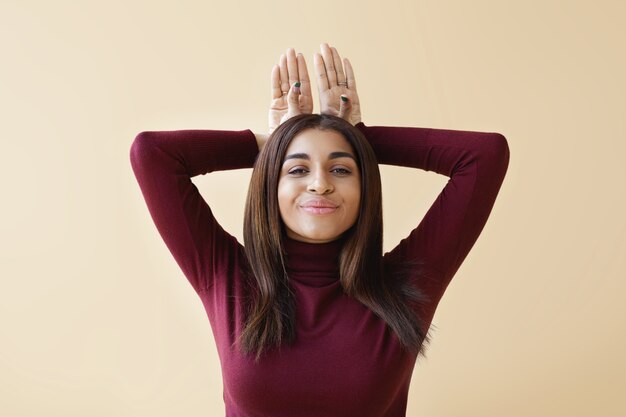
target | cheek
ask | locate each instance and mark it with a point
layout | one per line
(353, 197)
(285, 195)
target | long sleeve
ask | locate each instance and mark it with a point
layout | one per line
(476, 164)
(163, 164)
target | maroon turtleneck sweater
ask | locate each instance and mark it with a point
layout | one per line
(345, 361)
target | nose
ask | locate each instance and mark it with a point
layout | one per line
(320, 184)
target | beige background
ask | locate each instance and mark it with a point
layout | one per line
(96, 318)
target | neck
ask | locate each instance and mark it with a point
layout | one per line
(320, 259)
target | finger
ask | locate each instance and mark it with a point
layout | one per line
(349, 74)
(320, 69)
(345, 107)
(284, 77)
(292, 66)
(341, 78)
(303, 75)
(293, 99)
(276, 91)
(327, 54)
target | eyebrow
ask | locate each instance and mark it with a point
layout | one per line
(332, 155)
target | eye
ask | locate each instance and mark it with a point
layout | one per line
(297, 171)
(341, 171)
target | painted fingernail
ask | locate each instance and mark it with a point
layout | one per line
(344, 98)
(297, 84)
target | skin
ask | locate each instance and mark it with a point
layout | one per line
(335, 78)
(332, 72)
(321, 177)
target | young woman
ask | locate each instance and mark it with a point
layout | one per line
(309, 316)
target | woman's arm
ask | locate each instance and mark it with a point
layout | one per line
(164, 163)
(261, 139)
(476, 163)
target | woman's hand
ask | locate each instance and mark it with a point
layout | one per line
(332, 83)
(289, 100)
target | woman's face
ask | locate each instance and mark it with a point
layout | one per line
(319, 189)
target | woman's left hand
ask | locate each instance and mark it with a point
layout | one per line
(287, 99)
(333, 84)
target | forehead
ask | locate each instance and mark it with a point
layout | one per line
(319, 142)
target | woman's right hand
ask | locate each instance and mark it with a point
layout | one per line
(332, 84)
(288, 100)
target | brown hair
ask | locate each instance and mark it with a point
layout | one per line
(270, 318)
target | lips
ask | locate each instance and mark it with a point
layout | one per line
(319, 206)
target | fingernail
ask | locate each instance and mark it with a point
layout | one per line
(297, 84)
(344, 98)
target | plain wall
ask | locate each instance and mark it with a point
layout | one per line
(97, 319)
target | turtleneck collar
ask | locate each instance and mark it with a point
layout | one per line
(318, 259)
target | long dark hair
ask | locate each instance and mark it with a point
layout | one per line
(384, 289)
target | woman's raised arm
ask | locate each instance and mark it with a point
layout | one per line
(475, 162)
(164, 163)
